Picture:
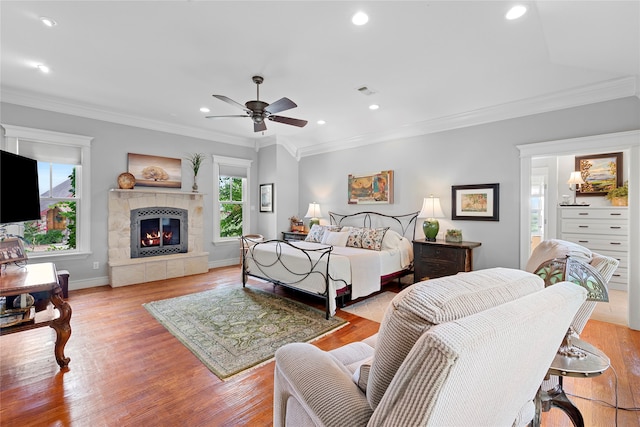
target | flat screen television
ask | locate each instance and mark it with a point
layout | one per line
(19, 192)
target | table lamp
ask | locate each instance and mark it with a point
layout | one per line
(313, 213)
(575, 181)
(582, 274)
(431, 210)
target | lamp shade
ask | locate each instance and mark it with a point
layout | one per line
(431, 208)
(576, 178)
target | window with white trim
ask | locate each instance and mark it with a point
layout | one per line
(231, 198)
(63, 175)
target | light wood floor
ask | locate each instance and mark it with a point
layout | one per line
(127, 370)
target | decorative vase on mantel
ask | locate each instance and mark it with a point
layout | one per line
(194, 187)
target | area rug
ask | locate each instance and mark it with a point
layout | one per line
(233, 329)
(372, 308)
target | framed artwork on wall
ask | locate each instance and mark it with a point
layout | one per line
(478, 202)
(266, 197)
(370, 189)
(155, 171)
(600, 173)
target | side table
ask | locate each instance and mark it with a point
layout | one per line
(440, 258)
(293, 235)
(593, 364)
(40, 278)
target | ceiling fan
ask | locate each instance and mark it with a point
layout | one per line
(260, 110)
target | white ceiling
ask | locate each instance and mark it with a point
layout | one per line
(433, 64)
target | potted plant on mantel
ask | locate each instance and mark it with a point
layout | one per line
(619, 196)
(196, 160)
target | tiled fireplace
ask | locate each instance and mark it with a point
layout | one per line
(172, 249)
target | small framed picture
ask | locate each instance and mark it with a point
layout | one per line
(11, 250)
(266, 197)
(478, 202)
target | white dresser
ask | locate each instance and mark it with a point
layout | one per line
(604, 230)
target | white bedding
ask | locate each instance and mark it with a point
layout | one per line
(360, 268)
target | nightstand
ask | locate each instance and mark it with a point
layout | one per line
(440, 258)
(293, 235)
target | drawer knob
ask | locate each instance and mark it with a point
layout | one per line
(583, 226)
(615, 228)
(615, 214)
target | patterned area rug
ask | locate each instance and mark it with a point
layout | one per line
(233, 329)
(372, 308)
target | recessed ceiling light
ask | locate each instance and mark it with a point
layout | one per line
(516, 12)
(204, 109)
(374, 107)
(360, 18)
(48, 21)
(43, 68)
(321, 122)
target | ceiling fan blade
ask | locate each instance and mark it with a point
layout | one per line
(232, 102)
(220, 117)
(289, 121)
(281, 104)
(259, 127)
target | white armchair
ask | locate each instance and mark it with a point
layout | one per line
(470, 349)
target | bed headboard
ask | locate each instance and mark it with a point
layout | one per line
(403, 224)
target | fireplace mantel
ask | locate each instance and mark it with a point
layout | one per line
(124, 270)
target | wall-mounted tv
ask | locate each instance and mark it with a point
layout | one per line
(19, 192)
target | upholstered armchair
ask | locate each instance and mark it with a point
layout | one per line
(469, 349)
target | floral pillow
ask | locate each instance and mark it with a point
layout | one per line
(317, 232)
(372, 238)
(355, 237)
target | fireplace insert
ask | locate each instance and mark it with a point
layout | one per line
(158, 231)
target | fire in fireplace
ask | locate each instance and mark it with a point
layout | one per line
(158, 231)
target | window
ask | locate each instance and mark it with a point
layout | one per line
(63, 178)
(231, 198)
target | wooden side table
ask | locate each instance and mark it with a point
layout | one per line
(40, 278)
(440, 258)
(293, 235)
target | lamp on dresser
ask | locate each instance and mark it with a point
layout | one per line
(430, 211)
(575, 181)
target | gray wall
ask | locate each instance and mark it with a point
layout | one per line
(431, 164)
(109, 150)
(423, 165)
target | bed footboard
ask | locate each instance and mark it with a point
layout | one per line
(284, 264)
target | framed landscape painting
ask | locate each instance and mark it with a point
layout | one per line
(370, 189)
(600, 172)
(155, 171)
(478, 202)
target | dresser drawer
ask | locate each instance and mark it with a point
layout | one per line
(622, 213)
(600, 243)
(620, 276)
(615, 227)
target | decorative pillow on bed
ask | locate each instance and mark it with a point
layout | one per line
(335, 238)
(317, 232)
(355, 237)
(391, 240)
(372, 238)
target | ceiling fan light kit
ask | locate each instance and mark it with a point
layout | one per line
(258, 110)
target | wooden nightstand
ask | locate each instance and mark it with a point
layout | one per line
(439, 258)
(293, 235)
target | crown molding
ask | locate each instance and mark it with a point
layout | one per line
(63, 106)
(584, 95)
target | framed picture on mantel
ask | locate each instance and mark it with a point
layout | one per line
(478, 202)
